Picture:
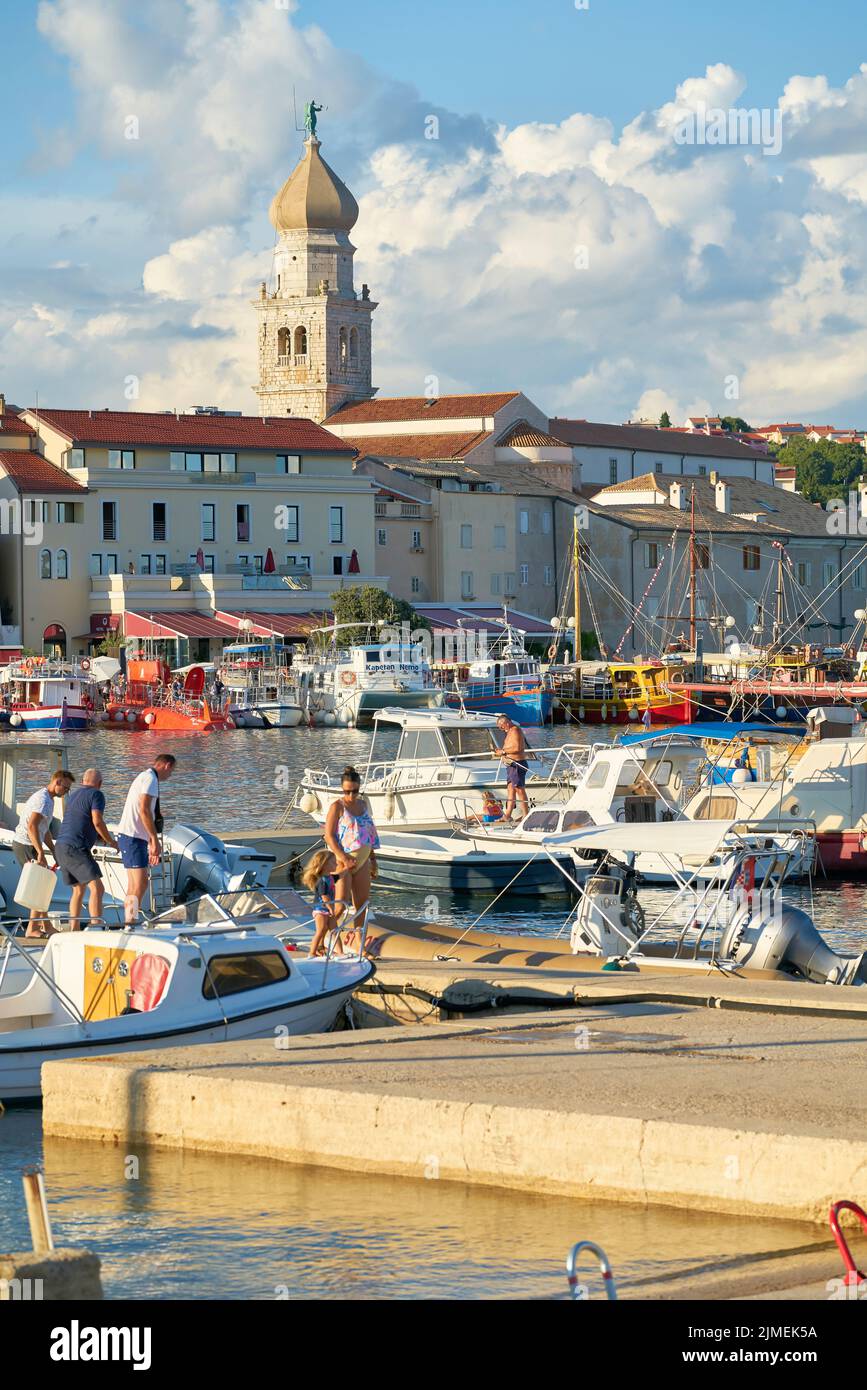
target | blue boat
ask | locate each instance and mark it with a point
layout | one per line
(505, 681)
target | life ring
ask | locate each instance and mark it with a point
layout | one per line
(347, 678)
(552, 651)
(84, 664)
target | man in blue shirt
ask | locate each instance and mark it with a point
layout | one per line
(80, 829)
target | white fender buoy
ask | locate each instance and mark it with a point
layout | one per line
(149, 719)
(15, 720)
(329, 719)
(581, 711)
(390, 803)
(633, 713)
(603, 713)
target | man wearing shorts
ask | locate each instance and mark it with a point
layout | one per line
(513, 754)
(32, 836)
(138, 830)
(80, 829)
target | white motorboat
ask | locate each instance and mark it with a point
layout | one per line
(348, 685)
(445, 761)
(646, 784)
(219, 969)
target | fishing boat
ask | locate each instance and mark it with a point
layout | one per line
(211, 971)
(349, 685)
(152, 699)
(40, 695)
(508, 680)
(737, 925)
(777, 685)
(260, 687)
(445, 759)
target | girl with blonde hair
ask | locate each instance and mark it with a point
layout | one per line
(319, 877)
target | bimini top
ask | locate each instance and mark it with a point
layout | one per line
(444, 718)
(678, 838)
(720, 731)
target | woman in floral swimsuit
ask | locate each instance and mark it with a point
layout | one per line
(348, 828)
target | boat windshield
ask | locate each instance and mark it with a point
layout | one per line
(465, 742)
(207, 910)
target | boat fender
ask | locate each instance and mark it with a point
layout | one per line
(580, 711)
(390, 803)
(15, 720)
(309, 803)
(131, 717)
(633, 713)
(603, 713)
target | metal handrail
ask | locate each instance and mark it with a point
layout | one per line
(62, 997)
(604, 1265)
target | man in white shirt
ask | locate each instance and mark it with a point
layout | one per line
(32, 835)
(138, 830)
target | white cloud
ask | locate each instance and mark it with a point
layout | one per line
(606, 272)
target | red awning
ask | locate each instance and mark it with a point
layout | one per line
(172, 625)
(54, 633)
(276, 624)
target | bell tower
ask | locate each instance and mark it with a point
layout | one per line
(314, 338)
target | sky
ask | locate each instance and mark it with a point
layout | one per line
(589, 224)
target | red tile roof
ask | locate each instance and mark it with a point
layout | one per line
(651, 441)
(11, 423)
(123, 428)
(418, 446)
(523, 435)
(408, 408)
(32, 473)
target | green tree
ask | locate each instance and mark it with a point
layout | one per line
(368, 606)
(665, 421)
(734, 422)
(823, 470)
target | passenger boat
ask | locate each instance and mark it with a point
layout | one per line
(739, 925)
(445, 760)
(147, 701)
(619, 692)
(211, 971)
(38, 695)
(508, 680)
(349, 685)
(261, 692)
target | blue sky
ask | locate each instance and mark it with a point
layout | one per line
(708, 264)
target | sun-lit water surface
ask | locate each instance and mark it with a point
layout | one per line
(209, 1226)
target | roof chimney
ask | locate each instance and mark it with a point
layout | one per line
(2, 404)
(723, 496)
(677, 496)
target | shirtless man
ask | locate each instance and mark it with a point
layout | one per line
(513, 754)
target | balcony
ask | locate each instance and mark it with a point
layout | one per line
(410, 509)
(292, 359)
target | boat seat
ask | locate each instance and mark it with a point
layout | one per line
(148, 977)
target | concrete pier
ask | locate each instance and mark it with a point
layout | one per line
(53, 1275)
(646, 1090)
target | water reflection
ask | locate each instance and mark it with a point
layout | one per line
(207, 1226)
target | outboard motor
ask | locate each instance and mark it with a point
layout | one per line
(202, 865)
(608, 919)
(786, 939)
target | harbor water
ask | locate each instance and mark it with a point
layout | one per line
(173, 1225)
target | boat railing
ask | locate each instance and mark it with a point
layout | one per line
(15, 944)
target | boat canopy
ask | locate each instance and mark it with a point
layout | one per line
(722, 731)
(430, 718)
(680, 838)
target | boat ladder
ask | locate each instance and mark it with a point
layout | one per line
(854, 1277)
(578, 1292)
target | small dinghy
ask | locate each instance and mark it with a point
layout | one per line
(219, 969)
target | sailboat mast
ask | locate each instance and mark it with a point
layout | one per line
(576, 568)
(778, 610)
(692, 575)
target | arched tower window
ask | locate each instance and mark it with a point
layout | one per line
(344, 351)
(62, 565)
(300, 343)
(353, 345)
(45, 564)
(283, 345)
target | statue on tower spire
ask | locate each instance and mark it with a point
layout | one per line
(310, 113)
